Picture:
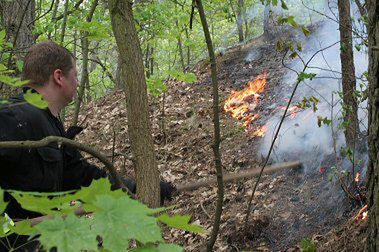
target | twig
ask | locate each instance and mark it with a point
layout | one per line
(206, 213)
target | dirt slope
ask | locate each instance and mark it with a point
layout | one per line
(287, 206)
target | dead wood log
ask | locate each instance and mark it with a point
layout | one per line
(238, 176)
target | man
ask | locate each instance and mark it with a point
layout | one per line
(52, 73)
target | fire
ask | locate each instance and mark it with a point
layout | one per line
(362, 214)
(357, 176)
(241, 104)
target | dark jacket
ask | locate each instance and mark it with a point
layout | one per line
(45, 169)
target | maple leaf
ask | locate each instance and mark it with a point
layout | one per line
(162, 247)
(22, 228)
(69, 234)
(3, 204)
(44, 202)
(119, 220)
(181, 222)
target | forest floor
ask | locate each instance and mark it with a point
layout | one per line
(288, 206)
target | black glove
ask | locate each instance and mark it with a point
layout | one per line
(73, 131)
(167, 188)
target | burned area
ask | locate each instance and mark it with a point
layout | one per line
(289, 206)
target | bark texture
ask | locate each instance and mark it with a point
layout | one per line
(373, 167)
(18, 17)
(240, 21)
(348, 73)
(133, 77)
(18, 21)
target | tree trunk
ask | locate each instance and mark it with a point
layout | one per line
(348, 73)
(55, 11)
(151, 61)
(147, 61)
(188, 49)
(180, 46)
(85, 77)
(132, 74)
(373, 139)
(17, 17)
(240, 22)
(64, 22)
(216, 123)
(266, 21)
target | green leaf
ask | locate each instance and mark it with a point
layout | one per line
(293, 55)
(284, 6)
(23, 228)
(97, 187)
(3, 226)
(44, 203)
(19, 65)
(302, 76)
(35, 99)
(305, 31)
(2, 36)
(181, 222)
(119, 220)
(162, 247)
(69, 234)
(307, 245)
(3, 204)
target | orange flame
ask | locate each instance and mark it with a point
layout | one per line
(362, 214)
(357, 176)
(241, 104)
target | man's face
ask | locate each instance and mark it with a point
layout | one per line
(70, 82)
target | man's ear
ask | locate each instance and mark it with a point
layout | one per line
(57, 77)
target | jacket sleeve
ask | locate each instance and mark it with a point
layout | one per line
(78, 172)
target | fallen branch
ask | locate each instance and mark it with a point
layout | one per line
(240, 175)
(65, 141)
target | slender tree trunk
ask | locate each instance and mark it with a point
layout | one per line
(267, 22)
(147, 61)
(188, 49)
(85, 77)
(348, 73)
(240, 22)
(54, 15)
(64, 22)
(142, 145)
(373, 139)
(151, 61)
(216, 122)
(180, 47)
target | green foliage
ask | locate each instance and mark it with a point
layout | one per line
(306, 245)
(303, 76)
(180, 222)
(3, 205)
(68, 234)
(35, 99)
(116, 218)
(323, 120)
(310, 102)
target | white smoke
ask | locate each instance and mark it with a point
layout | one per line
(301, 137)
